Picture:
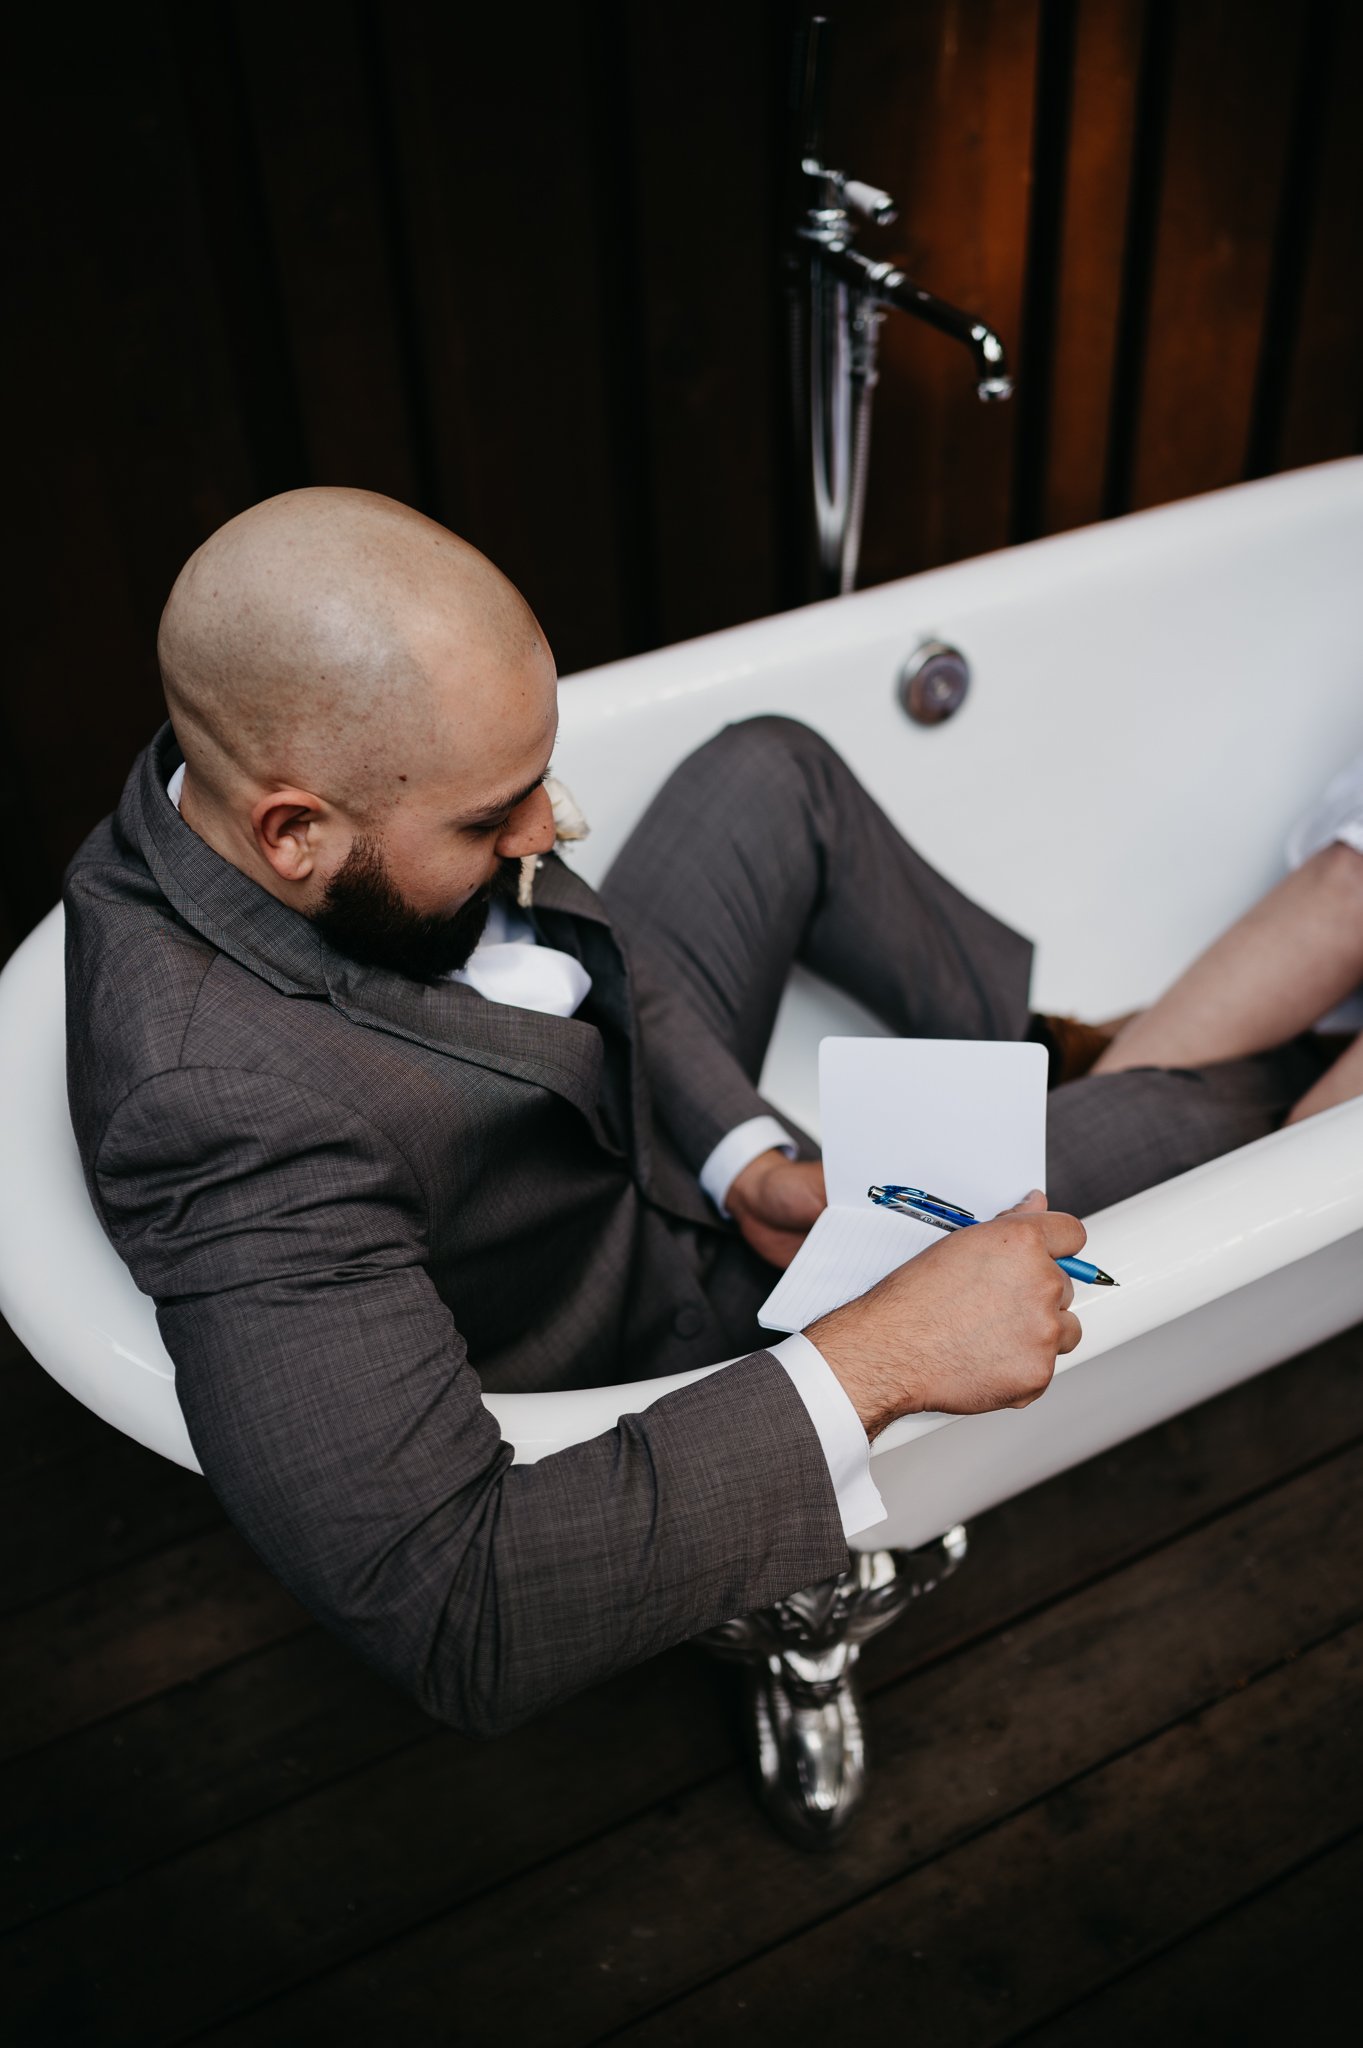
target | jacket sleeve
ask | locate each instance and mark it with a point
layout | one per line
(335, 1412)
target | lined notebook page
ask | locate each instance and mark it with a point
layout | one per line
(965, 1118)
(846, 1252)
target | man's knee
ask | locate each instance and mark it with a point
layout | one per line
(766, 773)
(767, 751)
(771, 731)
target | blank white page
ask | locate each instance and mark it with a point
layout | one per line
(963, 1118)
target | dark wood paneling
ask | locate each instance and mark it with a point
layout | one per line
(1323, 416)
(496, 115)
(1235, 68)
(126, 439)
(1108, 41)
(701, 214)
(934, 102)
(314, 129)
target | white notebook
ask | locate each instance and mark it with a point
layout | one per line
(963, 1118)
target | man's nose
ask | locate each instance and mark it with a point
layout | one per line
(529, 829)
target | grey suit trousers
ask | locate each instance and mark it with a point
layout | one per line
(763, 849)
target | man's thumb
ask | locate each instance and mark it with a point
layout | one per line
(1028, 1206)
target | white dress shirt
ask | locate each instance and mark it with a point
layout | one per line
(510, 965)
(1336, 814)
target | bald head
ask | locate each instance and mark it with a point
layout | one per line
(367, 709)
(338, 641)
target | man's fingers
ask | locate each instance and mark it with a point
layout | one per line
(1067, 1292)
(795, 1195)
(1071, 1330)
(1030, 1205)
(1063, 1235)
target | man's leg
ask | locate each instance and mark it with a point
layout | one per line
(1110, 1135)
(762, 849)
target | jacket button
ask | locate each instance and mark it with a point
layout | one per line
(688, 1322)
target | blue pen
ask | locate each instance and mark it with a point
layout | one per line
(926, 1208)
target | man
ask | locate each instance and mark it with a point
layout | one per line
(357, 1182)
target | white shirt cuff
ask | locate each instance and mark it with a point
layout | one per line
(739, 1149)
(839, 1429)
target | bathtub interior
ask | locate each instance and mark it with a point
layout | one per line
(1153, 702)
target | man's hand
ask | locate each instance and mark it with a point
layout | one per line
(971, 1324)
(774, 1201)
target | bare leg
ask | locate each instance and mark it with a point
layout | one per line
(1292, 957)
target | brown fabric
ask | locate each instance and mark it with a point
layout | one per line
(1072, 1046)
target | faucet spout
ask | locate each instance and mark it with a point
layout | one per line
(890, 287)
(992, 380)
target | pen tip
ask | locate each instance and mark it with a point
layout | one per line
(1105, 1280)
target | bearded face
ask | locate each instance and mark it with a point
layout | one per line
(365, 916)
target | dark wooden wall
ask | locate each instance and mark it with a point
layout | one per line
(519, 265)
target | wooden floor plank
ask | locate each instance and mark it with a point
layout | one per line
(258, 1908)
(132, 1633)
(43, 1423)
(968, 1951)
(1279, 1969)
(108, 1505)
(660, 1904)
(188, 1764)
(81, 1498)
(240, 1740)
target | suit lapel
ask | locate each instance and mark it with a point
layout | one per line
(559, 1053)
(563, 1054)
(569, 914)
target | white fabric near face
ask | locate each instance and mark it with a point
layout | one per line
(510, 965)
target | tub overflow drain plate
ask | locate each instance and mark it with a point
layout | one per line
(933, 682)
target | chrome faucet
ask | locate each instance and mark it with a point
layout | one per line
(839, 296)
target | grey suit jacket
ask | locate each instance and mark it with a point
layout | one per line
(353, 1197)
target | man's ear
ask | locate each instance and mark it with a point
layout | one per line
(289, 826)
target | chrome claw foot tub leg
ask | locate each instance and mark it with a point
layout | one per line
(803, 1697)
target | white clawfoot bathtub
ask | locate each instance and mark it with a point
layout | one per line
(1154, 700)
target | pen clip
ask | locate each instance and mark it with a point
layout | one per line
(939, 1203)
(886, 1198)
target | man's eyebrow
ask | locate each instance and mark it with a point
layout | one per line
(497, 810)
